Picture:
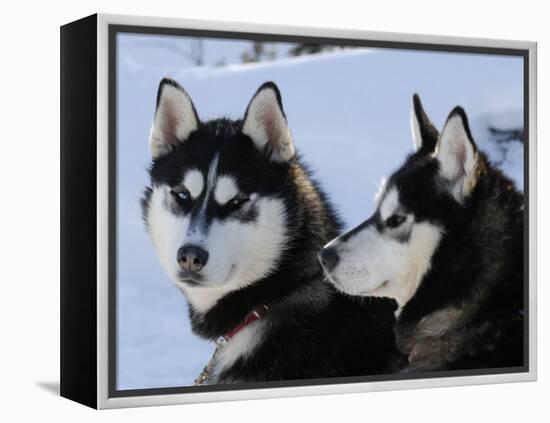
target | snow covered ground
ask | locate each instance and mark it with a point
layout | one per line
(349, 114)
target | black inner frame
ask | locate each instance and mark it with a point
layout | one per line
(113, 30)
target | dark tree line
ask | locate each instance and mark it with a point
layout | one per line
(306, 48)
(261, 51)
(503, 138)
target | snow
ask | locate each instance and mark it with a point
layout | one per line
(349, 114)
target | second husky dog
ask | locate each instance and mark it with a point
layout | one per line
(446, 242)
(237, 222)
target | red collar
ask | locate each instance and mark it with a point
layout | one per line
(251, 317)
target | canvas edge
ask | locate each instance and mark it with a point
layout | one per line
(103, 399)
(77, 307)
(533, 169)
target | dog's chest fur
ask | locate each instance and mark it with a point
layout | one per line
(238, 348)
(449, 339)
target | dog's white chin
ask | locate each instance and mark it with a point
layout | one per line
(382, 289)
(206, 294)
(204, 297)
(212, 280)
(392, 289)
(373, 292)
(360, 288)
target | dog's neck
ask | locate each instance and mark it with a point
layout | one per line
(231, 310)
(452, 292)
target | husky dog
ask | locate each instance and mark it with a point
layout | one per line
(238, 222)
(446, 242)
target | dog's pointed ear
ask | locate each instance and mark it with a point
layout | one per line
(265, 123)
(424, 133)
(175, 118)
(457, 154)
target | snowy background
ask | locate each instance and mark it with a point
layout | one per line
(348, 110)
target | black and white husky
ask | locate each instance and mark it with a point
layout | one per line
(446, 242)
(238, 222)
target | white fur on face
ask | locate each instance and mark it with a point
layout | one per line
(239, 253)
(194, 182)
(174, 120)
(226, 189)
(390, 204)
(374, 263)
(266, 125)
(166, 229)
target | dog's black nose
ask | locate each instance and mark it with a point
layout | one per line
(192, 258)
(329, 258)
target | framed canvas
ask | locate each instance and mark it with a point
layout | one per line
(253, 211)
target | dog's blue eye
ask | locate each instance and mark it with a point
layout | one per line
(237, 202)
(395, 220)
(181, 195)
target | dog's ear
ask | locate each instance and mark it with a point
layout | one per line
(265, 123)
(457, 154)
(424, 133)
(175, 118)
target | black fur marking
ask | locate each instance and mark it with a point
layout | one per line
(428, 131)
(247, 214)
